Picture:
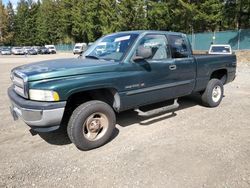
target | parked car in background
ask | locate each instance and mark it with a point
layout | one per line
(26, 49)
(220, 49)
(51, 48)
(43, 50)
(79, 48)
(36, 48)
(32, 51)
(17, 51)
(5, 51)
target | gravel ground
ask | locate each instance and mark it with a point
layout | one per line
(195, 147)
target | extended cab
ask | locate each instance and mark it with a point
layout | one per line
(120, 71)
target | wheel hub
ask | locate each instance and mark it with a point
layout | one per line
(216, 94)
(94, 126)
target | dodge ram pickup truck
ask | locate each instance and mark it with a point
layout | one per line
(120, 71)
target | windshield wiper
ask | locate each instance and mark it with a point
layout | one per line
(91, 57)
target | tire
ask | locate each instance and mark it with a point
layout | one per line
(91, 125)
(213, 94)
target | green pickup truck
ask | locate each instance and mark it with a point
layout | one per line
(120, 71)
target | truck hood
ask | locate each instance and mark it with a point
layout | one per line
(64, 67)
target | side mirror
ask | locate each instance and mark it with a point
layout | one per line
(143, 53)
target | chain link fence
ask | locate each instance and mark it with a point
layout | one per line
(64, 47)
(238, 39)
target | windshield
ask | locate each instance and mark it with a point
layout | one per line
(224, 49)
(77, 47)
(111, 47)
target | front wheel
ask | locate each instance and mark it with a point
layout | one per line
(213, 94)
(91, 125)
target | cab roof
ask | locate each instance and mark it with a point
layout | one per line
(151, 31)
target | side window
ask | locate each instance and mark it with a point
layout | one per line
(178, 46)
(153, 47)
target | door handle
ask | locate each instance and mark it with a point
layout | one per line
(172, 67)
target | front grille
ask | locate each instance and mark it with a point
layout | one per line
(19, 81)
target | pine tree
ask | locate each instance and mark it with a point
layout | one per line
(132, 15)
(66, 21)
(10, 24)
(3, 24)
(158, 15)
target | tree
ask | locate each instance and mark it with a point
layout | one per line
(22, 23)
(132, 15)
(10, 24)
(208, 16)
(109, 16)
(158, 15)
(67, 21)
(50, 25)
(3, 24)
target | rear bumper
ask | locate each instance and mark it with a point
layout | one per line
(40, 116)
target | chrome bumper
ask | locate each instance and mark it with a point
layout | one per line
(33, 117)
(38, 115)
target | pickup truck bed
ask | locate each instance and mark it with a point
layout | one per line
(208, 64)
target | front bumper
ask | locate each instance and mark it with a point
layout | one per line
(40, 116)
(77, 51)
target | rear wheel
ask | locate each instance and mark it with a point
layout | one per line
(213, 94)
(91, 125)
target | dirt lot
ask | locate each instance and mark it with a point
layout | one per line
(195, 147)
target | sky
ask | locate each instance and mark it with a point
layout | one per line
(14, 2)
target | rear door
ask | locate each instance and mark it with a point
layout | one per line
(184, 69)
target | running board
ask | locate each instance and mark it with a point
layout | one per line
(158, 110)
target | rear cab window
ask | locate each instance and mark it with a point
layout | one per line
(224, 49)
(178, 46)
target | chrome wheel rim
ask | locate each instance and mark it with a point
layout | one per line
(216, 93)
(95, 126)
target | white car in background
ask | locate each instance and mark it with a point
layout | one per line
(51, 48)
(79, 48)
(17, 51)
(220, 49)
(5, 51)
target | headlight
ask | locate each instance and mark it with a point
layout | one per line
(43, 95)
